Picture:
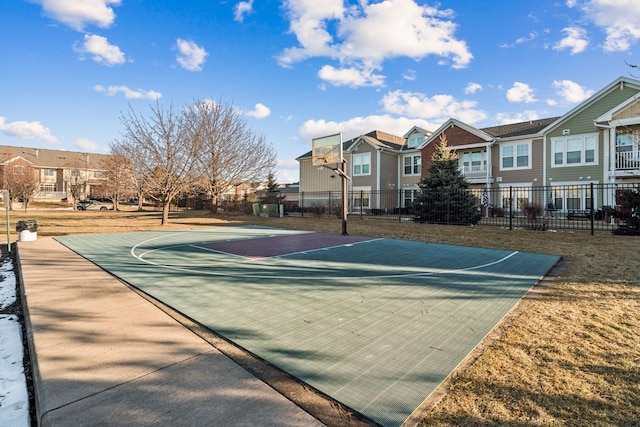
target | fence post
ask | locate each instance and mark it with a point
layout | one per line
(510, 207)
(301, 204)
(591, 214)
(361, 203)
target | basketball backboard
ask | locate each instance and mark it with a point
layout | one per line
(327, 150)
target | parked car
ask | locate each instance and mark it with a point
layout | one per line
(94, 205)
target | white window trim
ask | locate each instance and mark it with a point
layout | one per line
(515, 155)
(353, 160)
(583, 191)
(516, 186)
(412, 157)
(356, 191)
(596, 160)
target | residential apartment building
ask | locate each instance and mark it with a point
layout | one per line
(55, 170)
(597, 142)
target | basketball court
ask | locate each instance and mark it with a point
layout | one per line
(376, 324)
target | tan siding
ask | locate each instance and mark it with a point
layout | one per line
(365, 180)
(389, 172)
(533, 175)
(314, 179)
(632, 112)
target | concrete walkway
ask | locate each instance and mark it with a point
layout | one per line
(104, 355)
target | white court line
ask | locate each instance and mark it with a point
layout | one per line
(190, 269)
(260, 258)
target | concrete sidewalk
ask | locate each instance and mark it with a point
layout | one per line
(104, 355)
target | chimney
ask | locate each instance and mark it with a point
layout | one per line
(37, 152)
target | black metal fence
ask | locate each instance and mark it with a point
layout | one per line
(585, 206)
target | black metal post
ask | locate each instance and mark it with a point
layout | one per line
(591, 214)
(510, 207)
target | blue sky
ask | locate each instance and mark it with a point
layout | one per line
(302, 69)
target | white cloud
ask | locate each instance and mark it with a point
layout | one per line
(27, 130)
(353, 77)
(260, 111)
(78, 14)
(410, 75)
(361, 37)
(288, 171)
(532, 36)
(521, 92)
(472, 88)
(356, 126)
(620, 20)
(190, 56)
(437, 108)
(525, 116)
(100, 50)
(86, 144)
(128, 93)
(571, 92)
(242, 8)
(576, 40)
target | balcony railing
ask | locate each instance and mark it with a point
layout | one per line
(628, 160)
(474, 172)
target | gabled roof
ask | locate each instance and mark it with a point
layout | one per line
(608, 116)
(375, 138)
(457, 123)
(488, 134)
(54, 159)
(619, 82)
(419, 129)
(13, 159)
(381, 140)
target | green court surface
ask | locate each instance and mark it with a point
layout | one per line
(376, 324)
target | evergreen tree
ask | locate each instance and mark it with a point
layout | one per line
(444, 197)
(271, 194)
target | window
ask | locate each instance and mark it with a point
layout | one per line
(412, 164)
(474, 165)
(575, 150)
(571, 197)
(408, 197)
(361, 164)
(521, 196)
(49, 172)
(18, 170)
(360, 197)
(627, 147)
(515, 156)
(414, 141)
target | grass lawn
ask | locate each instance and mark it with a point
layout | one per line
(570, 357)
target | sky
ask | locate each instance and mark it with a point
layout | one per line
(301, 69)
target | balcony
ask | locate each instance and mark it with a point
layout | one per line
(475, 173)
(627, 164)
(628, 160)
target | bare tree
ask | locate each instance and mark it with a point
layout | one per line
(75, 180)
(230, 152)
(21, 181)
(162, 151)
(119, 178)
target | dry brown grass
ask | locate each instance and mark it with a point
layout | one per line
(571, 357)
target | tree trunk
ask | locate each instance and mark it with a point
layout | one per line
(214, 204)
(166, 206)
